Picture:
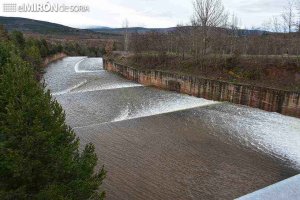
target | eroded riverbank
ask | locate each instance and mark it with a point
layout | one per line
(162, 145)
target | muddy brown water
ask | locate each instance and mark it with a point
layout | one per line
(162, 145)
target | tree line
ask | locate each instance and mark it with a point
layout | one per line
(31, 50)
(288, 21)
(39, 152)
(213, 45)
(213, 31)
(35, 50)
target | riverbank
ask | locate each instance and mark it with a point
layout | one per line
(274, 100)
(48, 60)
(53, 58)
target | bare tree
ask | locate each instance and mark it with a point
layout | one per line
(126, 35)
(298, 16)
(234, 23)
(208, 14)
(288, 16)
(234, 30)
(181, 37)
(274, 24)
(109, 47)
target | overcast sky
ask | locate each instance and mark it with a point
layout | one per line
(147, 13)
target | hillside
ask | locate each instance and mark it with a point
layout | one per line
(130, 30)
(75, 41)
(36, 26)
(142, 30)
(42, 27)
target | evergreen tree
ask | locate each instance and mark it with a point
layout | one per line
(33, 56)
(43, 46)
(18, 39)
(39, 156)
(3, 33)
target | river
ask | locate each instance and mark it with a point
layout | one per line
(162, 145)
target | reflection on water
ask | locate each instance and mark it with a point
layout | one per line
(162, 145)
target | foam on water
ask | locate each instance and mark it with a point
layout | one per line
(279, 135)
(77, 65)
(70, 89)
(123, 116)
(111, 86)
(272, 133)
(176, 103)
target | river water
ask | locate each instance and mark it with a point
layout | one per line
(162, 145)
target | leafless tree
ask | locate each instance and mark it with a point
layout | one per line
(208, 14)
(212, 36)
(288, 16)
(126, 35)
(234, 23)
(298, 15)
(274, 24)
(109, 47)
(234, 29)
(181, 37)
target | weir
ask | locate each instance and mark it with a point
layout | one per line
(268, 99)
(177, 145)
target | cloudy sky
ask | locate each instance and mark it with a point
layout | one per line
(147, 13)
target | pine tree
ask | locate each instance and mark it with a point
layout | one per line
(18, 38)
(33, 56)
(3, 33)
(39, 153)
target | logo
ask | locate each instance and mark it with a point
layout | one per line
(44, 7)
(9, 7)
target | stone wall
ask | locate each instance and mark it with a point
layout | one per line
(273, 100)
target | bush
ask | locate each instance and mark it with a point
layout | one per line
(232, 62)
(253, 75)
